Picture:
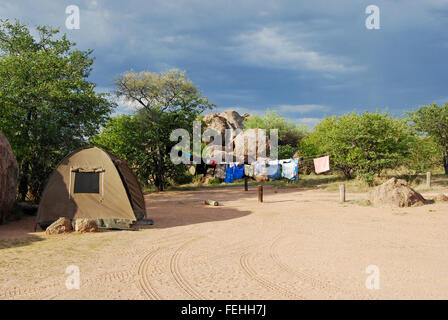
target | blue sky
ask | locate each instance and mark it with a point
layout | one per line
(305, 59)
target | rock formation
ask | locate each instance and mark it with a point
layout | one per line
(232, 120)
(395, 192)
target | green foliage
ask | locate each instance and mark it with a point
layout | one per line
(47, 106)
(214, 181)
(289, 133)
(166, 101)
(361, 145)
(425, 155)
(183, 177)
(286, 151)
(432, 120)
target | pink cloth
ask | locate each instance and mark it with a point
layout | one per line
(322, 165)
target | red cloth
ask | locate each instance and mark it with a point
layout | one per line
(322, 164)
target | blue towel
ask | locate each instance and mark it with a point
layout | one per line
(229, 175)
(238, 172)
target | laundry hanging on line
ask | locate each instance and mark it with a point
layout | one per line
(322, 164)
(229, 174)
(238, 171)
(290, 171)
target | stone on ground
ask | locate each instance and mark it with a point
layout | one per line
(86, 225)
(62, 225)
(395, 192)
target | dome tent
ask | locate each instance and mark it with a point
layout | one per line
(94, 184)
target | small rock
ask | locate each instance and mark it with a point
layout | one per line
(441, 198)
(62, 225)
(86, 225)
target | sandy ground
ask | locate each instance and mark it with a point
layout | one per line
(298, 244)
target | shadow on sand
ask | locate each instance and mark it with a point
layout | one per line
(19, 242)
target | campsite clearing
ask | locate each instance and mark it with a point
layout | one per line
(297, 244)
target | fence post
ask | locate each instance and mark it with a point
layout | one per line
(428, 179)
(342, 192)
(260, 193)
(245, 184)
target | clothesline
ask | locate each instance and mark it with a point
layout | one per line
(313, 157)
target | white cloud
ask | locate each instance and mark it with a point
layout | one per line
(270, 47)
(303, 108)
(310, 122)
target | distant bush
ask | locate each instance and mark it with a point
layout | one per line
(214, 181)
(183, 178)
(360, 145)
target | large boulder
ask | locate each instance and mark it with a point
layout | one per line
(8, 178)
(62, 225)
(227, 120)
(86, 225)
(232, 120)
(395, 192)
(253, 144)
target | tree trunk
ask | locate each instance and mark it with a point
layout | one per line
(445, 162)
(158, 184)
(23, 183)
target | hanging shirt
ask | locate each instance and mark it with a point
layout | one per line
(229, 175)
(289, 170)
(249, 170)
(259, 168)
(238, 171)
(322, 165)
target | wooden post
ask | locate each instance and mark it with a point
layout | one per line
(245, 184)
(211, 203)
(342, 193)
(428, 180)
(260, 193)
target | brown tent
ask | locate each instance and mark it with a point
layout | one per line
(91, 183)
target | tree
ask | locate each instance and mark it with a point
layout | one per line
(164, 101)
(289, 133)
(425, 155)
(47, 106)
(432, 120)
(286, 151)
(361, 145)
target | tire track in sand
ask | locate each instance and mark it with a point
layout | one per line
(143, 270)
(177, 274)
(302, 276)
(246, 266)
(146, 263)
(248, 269)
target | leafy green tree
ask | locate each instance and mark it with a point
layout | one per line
(289, 133)
(425, 154)
(361, 145)
(47, 106)
(433, 121)
(286, 151)
(164, 102)
(130, 136)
